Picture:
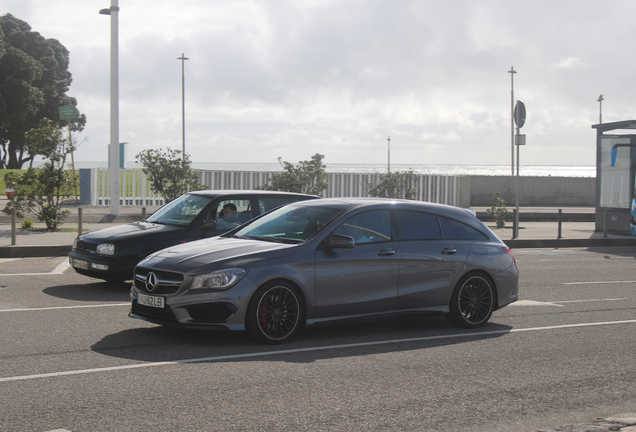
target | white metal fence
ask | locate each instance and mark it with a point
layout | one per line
(135, 188)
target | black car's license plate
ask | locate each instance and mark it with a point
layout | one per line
(79, 264)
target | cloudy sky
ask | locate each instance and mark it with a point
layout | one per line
(289, 78)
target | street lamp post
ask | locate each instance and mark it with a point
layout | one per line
(389, 156)
(113, 11)
(512, 73)
(600, 109)
(183, 58)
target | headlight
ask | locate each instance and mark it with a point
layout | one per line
(105, 249)
(222, 279)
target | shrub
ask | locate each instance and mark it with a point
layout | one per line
(27, 223)
(498, 210)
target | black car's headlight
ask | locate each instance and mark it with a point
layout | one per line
(105, 249)
(222, 279)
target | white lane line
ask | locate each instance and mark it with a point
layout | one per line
(597, 282)
(302, 350)
(60, 269)
(63, 307)
(558, 302)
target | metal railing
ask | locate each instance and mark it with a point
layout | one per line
(136, 191)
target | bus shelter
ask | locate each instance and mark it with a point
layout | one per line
(615, 174)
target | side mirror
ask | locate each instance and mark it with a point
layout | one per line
(339, 241)
(614, 152)
(208, 226)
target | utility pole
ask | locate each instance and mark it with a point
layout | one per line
(389, 160)
(600, 109)
(512, 73)
(183, 58)
(113, 169)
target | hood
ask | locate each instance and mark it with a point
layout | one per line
(123, 232)
(199, 253)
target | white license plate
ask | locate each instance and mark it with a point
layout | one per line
(79, 264)
(152, 301)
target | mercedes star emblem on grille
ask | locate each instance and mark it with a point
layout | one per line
(151, 281)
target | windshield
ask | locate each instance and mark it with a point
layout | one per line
(294, 223)
(180, 211)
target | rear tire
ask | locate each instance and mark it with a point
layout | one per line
(275, 313)
(472, 302)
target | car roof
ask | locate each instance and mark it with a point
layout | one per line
(217, 193)
(439, 209)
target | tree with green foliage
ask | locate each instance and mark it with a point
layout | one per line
(169, 174)
(41, 191)
(400, 184)
(34, 79)
(307, 177)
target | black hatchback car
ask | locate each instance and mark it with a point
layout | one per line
(112, 253)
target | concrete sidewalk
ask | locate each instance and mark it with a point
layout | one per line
(538, 229)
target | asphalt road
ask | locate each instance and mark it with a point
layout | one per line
(70, 359)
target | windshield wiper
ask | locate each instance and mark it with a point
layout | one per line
(263, 238)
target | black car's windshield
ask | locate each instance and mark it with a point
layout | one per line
(180, 211)
(294, 223)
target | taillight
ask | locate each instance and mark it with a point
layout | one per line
(509, 253)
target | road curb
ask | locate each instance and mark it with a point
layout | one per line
(34, 251)
(565, 243)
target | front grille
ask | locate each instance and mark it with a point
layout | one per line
(166, 282)
(85, 247)
(210, 313)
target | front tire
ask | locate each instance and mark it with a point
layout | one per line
(275, 313)
(472, 302)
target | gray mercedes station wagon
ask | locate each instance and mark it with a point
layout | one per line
(321, 261)
(112, 253)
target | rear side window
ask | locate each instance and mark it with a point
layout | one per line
(465, 232)
(368, 227)
(418, 226)
(267, 203)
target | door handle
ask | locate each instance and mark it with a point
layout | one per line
(386, 252)
(448, 251)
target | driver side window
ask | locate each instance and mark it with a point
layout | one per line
(369, 227)
(231, 213)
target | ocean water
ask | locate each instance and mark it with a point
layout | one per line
(476, 170)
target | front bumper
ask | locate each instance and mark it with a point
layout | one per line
(200, 309)
(108, 268)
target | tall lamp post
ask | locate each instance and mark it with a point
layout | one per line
(389, 156)
(183, 58)
(512, 73)
(113, 11)
(600, 109)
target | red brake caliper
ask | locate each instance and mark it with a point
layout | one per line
(262, 315)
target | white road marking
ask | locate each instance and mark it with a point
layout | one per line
(302, 350)
(63, 307)
(60, 269)
(558, 302)
(598, 282)
(5, 260)
(533, 303)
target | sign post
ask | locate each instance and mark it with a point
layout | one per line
(520, 120)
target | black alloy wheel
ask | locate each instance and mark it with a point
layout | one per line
(275, 313)
(472, 302)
